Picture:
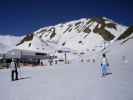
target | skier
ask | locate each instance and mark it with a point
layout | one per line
(104, 65)
(124, 59)
(50, 61)
(14, 72)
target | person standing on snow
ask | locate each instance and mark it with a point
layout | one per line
(124, 59)
(14, 72)
(104, 65)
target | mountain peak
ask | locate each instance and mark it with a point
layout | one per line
(81, 34)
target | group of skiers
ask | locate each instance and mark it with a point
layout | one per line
(15, 64)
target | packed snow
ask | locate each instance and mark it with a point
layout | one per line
(74, 81)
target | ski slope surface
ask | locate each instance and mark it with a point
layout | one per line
(75, 81)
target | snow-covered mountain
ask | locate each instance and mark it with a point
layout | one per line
(8, 42)
(81, 35)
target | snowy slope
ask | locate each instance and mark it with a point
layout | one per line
(82, 35)
(75, 81)
(8, 42)
(36, 44)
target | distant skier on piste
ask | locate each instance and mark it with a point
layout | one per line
(104, 65)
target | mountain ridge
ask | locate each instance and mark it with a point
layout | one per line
(79, 34)
(85, 34)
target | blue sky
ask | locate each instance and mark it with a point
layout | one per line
(18, 17)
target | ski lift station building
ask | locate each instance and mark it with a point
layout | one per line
(26, 56)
